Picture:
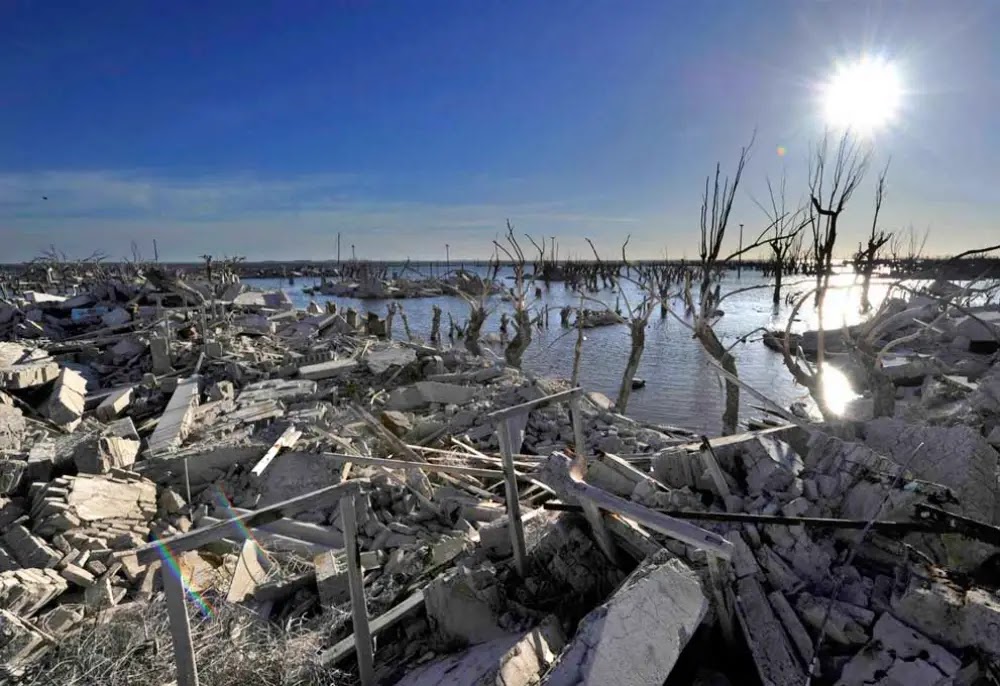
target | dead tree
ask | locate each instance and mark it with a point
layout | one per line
(867, 257)
(829, 192)
(519, 296)
(716, 207)
(647, 282)
(906, 247)
(785, 242)
(436, 324)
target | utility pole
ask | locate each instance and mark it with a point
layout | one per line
(354, 256)
(552, 248)
(338, 248)
(739, 265)
(156, 252)
(447, 256)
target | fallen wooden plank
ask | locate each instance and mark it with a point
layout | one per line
(199, 537)
(285, 440)
(385, 621)
(426, 466)
(523, 408)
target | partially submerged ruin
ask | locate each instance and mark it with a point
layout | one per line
(199, 459)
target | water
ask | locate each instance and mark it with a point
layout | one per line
(682, 388)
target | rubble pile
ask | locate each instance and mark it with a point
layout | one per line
(136, 413)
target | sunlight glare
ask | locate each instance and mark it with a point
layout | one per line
(863, 96)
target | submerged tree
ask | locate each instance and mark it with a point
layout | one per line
(519, 297)
(867, 257)
(787, 239)
(637, 315)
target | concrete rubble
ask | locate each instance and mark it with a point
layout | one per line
(129, 413)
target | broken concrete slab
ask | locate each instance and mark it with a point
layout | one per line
(513, 660)
(285, 390)
(636, 637)
(380, 361)
(898, 655)
(463, 606)
(947, 613)
(19, 644)
(955, 456)
(327, 370)
(25, 591)
(424, 393)
(249, 573)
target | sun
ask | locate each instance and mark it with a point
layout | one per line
(863, 96)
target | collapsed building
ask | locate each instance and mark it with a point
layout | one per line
(454, 520)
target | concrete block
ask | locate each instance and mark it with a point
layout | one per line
(114, 404)
(65, 405)
(104, 454)
(159, 348)
(635, 638)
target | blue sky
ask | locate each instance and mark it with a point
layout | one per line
(263, 129)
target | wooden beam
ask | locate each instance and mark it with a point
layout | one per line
(180, 630)
(346, 646)
(516, 527)
(524, 408)
(426, 466)
(356, 581)
(199, 537)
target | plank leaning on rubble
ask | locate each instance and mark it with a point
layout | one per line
(195, 539)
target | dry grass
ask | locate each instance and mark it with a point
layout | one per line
(232, 647)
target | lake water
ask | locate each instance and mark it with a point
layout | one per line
(682, 389)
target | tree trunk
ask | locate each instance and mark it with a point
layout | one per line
(477, 317)
(436, 325)
(866, 304)
(713, 346)
(637, 331)
(521, 341)
(578, 350)
(776, 299)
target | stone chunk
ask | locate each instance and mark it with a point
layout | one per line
(25, 591)
(424, 393)
(635, 638)
(114, 404)
(899, 655)
(11, 473)
(12, 427)
(105, 454)
(66, 403)
(29, 550)
(509, 661)
(18, 369)
(463, 606)
(19, 642)
(397, 422)
(331, 580)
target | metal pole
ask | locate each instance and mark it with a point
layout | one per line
(362, 633)
(180, 632)
(513, 502)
